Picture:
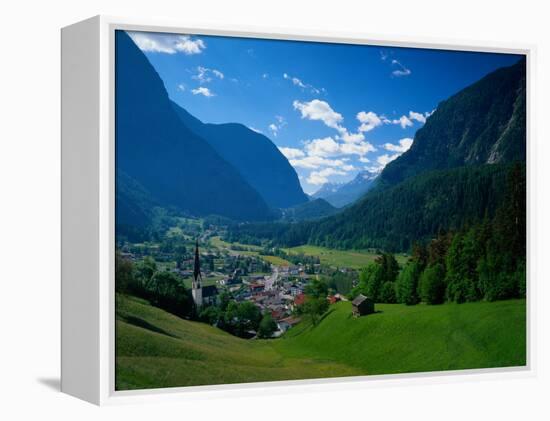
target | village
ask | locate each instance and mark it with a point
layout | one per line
(279, 292)
(241, 275)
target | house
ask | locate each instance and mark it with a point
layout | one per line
(209, 295)
(287, 323)
(362, 305)
(300, 299)
(333, 299)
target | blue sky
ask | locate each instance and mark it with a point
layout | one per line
(332, 109)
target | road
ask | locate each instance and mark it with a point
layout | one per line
(270, 280)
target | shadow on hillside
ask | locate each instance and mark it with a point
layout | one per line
(351, 316)
(325, 315)
(136, 321)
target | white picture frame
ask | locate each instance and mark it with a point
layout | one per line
(88, 212)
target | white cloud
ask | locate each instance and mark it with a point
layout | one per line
(328, 147)
(321, 177)
(274, 129)
(314, 162)
(255, 130)
(218, 74)
(322, 147)
(292, 153)
(403, 121)
(369, 120)
(402, 146)
(407, 120)
(298, 82)
(181, 87)
(277, 125)
(265, 75)
(319, 110)
(401, 70)
(385, 159)
(167, 43)
(203, 74)
(357, 148)
(381, 162)
(351, 137)
(364, 160)
(203, 91)
(421, 118)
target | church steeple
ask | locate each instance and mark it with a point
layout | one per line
(197, 268)
(196, 287)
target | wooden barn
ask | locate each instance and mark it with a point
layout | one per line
(362, 306)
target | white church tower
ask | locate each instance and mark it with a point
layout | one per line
(196, 287)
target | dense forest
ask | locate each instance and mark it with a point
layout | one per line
(394, 218)
(485, 261)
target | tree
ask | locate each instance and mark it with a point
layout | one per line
(167, 291)
(267, 326)
(146, 269)
(314, 308)
(419, 255)
(387, 293)
(241, 318)
(432, 285)
(210, 315)
(370, 283)
(461, 263)
(317, 289)
(407, 284)
(123, 273)
(390, 267)
(437, 248)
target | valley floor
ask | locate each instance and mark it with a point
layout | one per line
(156, 349)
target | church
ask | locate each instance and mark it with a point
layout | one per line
(206, 295)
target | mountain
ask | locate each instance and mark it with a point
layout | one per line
(340, 195)
(393, 218)
(313, 209)
(258, 160)
(484, 123)
(134, 204)
(164, 157)
(454, 174)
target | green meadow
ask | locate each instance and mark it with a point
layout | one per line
(355, 259)
(157, 349)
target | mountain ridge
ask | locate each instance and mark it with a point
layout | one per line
(343, 194)
(254, 155)
(156, 150)
(482, 123)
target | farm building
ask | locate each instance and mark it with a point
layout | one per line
(362, 305)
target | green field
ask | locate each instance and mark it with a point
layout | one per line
(354, 259)
(252, 251)
(221, 244)
(157, 349)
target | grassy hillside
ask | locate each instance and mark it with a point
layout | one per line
(355, 259)
(156, 349)
(401, 339)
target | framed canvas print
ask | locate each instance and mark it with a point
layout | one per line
(263, 208)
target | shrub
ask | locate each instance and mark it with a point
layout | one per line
(267, 326)
(432, 285)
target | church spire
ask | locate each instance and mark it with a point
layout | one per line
(197, 267)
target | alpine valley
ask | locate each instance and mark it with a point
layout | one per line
(408, 257)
